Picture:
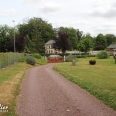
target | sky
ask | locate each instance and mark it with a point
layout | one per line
(89, 16)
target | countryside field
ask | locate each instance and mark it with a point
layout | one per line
(99, 79)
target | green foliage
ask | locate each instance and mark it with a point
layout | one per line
(102, 55)
(22, 59)
(85, 44)
(31, 60)
(6, 33)
(110, 39)
(37, 56)
(38, 32)
(100, 42)
(72, 37)
(41, 61)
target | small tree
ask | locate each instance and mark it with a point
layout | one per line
(61, 42)
(85, 44)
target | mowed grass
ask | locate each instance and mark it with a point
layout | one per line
(99, 79)
(10, 79)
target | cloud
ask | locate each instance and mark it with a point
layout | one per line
(32, 2)
(7, 12)
(110, 13)
(50, 8)
(103, 9)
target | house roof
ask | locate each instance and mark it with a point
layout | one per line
(50, 42)
(113, 46)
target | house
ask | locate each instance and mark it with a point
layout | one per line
(49, 47)
(111, 48)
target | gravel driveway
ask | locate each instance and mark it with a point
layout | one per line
(44, 92)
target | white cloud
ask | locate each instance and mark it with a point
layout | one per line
(50, 8)
(104, 13)
(32, 2)
(7, 12)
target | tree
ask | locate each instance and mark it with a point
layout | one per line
(20, 42)
(85, 44)
(100, 42)
(6, 33)
(72, 37)
(38, 32)
(79, 34)
(61, 41)
(110, 38)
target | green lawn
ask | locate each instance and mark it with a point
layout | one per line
(10, 80)
(99, 79)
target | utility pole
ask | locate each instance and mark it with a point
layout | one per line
(14, 37)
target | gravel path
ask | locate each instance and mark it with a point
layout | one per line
(44, 92)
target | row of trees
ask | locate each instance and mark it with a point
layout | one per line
(75, 40)
(32, 35)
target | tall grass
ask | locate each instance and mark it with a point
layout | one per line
(7, 59)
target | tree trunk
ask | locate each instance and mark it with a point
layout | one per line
(85, 54)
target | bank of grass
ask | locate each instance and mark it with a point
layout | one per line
(99, 79)
(10, 79)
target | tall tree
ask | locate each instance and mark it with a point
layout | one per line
(85, 44)
(110, 38)
(79, 34)
(72, 38)
(100, 42)
(38, 32)
(6, 33)
(61, 41)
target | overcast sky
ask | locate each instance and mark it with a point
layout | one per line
(89, 16)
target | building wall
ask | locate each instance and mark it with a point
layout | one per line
(49, 49)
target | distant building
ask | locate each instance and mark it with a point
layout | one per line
(49, 49)
(111, 48)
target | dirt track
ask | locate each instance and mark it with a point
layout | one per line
(44, 92)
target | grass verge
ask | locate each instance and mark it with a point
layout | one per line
(10, 80)
(99, 79)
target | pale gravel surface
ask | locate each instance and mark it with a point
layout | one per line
(44, 92)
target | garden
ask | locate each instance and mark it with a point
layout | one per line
(98, 79)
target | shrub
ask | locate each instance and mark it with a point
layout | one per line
(38, 56)
(22, 59)
(70, 59)
(31, 60)
(103, 55)
(41, 62)
(92, 62)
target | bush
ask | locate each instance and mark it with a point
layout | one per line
(31, 60)
(22, 59)
(38, 56)
(41, 62)
(70, 59)
(102, 55)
